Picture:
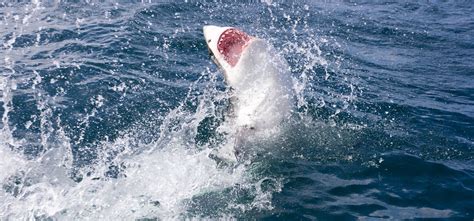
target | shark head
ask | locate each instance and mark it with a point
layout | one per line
(226, 45)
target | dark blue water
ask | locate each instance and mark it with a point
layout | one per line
(110, 110)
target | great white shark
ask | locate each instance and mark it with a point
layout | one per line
(259, 79)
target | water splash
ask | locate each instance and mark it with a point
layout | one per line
(124, 176)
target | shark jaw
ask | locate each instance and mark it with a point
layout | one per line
(226, 45)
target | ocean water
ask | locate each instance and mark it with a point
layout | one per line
(109, 110)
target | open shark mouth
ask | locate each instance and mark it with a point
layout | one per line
(231, 44)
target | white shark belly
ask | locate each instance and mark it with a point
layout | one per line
(262, 88)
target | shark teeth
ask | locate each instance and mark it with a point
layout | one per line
(231, 44)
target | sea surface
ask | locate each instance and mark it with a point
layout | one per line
(109, 111)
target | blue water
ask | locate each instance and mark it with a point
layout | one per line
(110, 110)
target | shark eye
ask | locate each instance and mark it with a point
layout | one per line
(231, 44)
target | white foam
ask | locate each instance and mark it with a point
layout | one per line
(9, 163)
(152, 185)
